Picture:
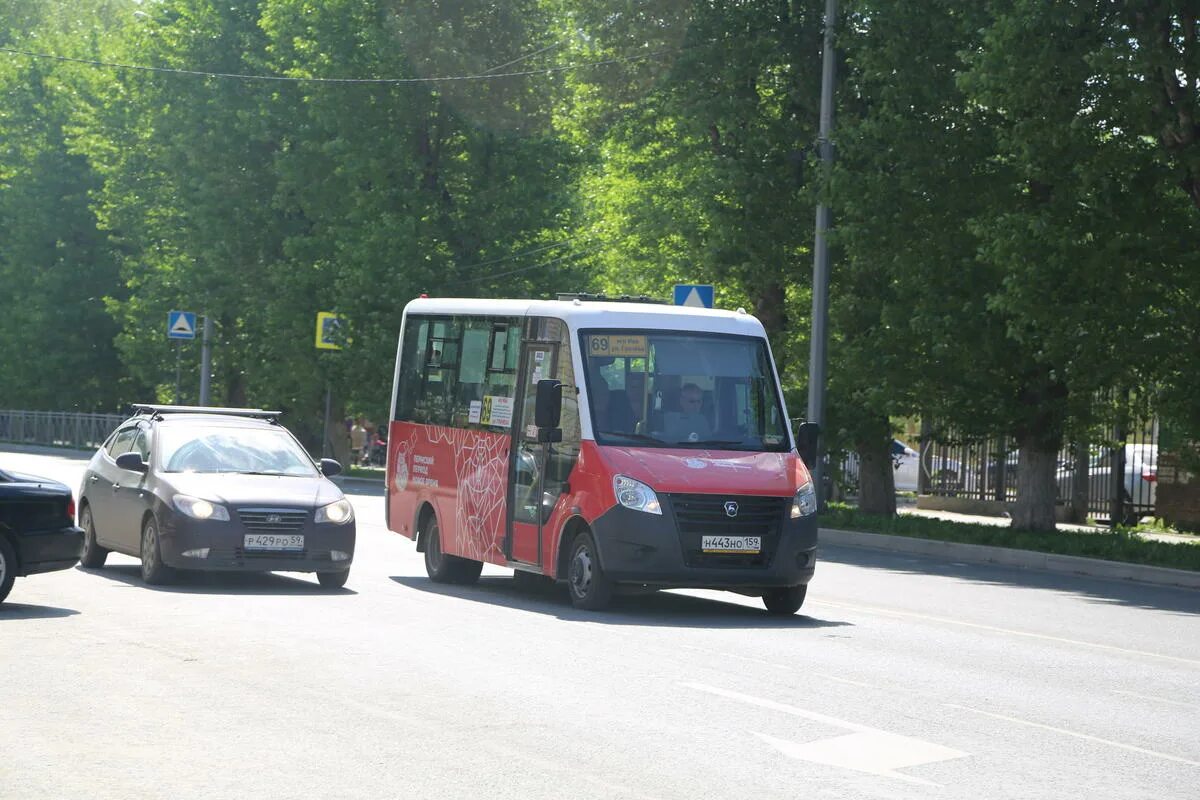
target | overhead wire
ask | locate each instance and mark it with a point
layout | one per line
(525, 269)
(378, 81)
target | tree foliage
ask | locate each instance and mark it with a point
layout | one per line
(1014, 201)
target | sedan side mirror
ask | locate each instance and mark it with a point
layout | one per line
(330, 467)
(132, 462)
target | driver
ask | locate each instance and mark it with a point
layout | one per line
(688, 424)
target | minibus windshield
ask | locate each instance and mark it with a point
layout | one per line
(682, 390)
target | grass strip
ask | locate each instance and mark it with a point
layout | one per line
(1118, 545)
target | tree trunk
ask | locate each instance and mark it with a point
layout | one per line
(770, 306)
(1036, 490)
(876, 478)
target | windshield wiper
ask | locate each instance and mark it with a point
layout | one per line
(713, 442)
(637, 437)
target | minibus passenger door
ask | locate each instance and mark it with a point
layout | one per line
(529, 504)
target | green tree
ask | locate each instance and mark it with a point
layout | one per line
(55, 266)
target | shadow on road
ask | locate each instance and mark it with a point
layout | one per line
(651, 609)
(1098, 590)
(24, 611)
(218, 582)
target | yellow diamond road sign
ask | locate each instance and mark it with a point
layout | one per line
(329, 335)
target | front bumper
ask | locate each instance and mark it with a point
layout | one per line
(47, 551)
(649, 549)
(225, 542)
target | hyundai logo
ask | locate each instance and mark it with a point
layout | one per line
(730, 508)
(275, 519)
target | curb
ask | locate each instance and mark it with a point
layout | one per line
(339, 479)
(1025, 559)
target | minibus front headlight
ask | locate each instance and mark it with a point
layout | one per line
(636, 495)
(805, 501)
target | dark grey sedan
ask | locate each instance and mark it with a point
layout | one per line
(191, 488)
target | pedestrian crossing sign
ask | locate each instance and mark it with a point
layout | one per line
(181, 325)
(329, 331)
(694, 295)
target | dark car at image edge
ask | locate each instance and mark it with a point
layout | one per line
(37, 528)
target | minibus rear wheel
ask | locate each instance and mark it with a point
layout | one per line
(443, 568)
(786, 601)
(590, 588)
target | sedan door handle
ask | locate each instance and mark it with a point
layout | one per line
(94, 478)
(116, 486)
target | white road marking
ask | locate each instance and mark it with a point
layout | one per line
(1157, 699)
(1076, 734)
(978, 626)
(866, 749)
(787, 667)
(876, 753)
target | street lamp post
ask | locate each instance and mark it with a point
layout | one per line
(820, 306)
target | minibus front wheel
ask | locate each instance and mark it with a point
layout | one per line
(590, 588)
(786, 601)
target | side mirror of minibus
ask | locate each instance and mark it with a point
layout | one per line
(547, 410)
(132, 462)
(808, 435)
(330, 467)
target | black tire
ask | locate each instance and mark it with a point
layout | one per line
(589, 587)
(93, 555)
(154, 571)
(785, 602)
(531, 582)
(333, 580)
(443, 568)
(8, 567)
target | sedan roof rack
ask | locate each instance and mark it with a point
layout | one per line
(156, 410)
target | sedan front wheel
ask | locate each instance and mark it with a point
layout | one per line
(154, 571)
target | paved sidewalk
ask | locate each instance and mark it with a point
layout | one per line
(1160, 536)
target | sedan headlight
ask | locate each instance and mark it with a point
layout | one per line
(196, 508)
(805, 501)
(636, 495)
(338, 513)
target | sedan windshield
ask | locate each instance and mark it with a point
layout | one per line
(230, 449)
(665, 389)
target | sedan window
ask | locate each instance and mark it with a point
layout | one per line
(122, 442)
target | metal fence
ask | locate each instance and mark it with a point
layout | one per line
(57, 428)
(1120, 480)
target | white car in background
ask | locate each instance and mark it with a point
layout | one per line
(1141, 476)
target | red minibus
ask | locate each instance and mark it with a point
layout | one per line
(601, 444)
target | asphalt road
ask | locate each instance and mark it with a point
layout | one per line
(903, 677)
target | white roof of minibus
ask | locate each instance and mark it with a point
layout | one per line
(599, 314)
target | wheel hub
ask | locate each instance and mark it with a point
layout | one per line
(581, 572)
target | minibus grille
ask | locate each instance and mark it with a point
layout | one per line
(699, 515)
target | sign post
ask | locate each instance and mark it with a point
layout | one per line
(329, 328)
(181, 325)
